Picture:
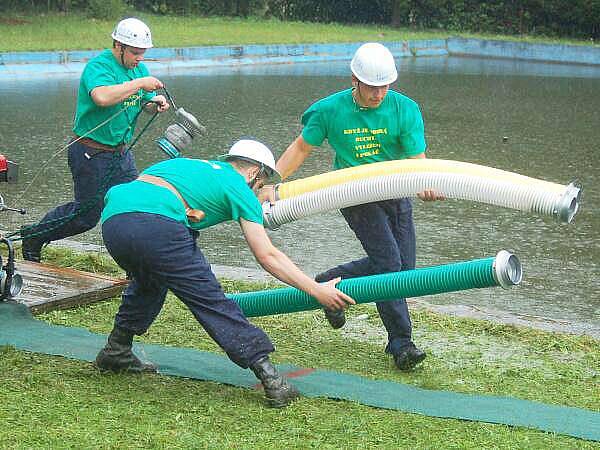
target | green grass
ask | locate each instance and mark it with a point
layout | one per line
(77, 32)
(52, 402)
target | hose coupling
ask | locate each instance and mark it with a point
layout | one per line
(268, 219)
(568, 205)
(178, 136)
(508, 271)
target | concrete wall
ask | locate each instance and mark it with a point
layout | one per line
(70, 63)
(568, 54)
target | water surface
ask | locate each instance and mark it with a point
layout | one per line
(548, 113)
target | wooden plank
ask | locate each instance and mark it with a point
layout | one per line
(47, 287)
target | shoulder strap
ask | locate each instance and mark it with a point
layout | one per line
(193, 215)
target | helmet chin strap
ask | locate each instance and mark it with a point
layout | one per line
(122, 47)
(259, 174)
(357, 96)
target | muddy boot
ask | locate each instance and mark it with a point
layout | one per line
(409, 357)
(336, 318)
(117, 356)
(31, 247)
(278, 391)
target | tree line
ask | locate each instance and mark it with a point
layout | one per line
(560, 18)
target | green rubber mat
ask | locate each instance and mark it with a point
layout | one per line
(18, 328)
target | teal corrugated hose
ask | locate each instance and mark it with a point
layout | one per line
(479, 273)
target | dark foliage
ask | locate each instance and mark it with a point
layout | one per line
(562, 18)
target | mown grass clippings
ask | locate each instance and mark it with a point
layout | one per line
(89, 261)
(53, 402)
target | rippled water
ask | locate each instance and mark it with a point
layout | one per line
(549, 114)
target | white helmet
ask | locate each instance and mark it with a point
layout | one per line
(253, 151)
(133, 32)
(373, 64)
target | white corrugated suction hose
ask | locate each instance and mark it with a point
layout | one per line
(454, 179)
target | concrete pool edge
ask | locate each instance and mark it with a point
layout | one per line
(32, 65)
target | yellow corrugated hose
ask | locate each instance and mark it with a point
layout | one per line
(407, 166)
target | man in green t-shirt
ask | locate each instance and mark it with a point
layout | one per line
(366, 124)
(149, 227)
(114, 87)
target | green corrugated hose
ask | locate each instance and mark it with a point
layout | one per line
(503, 270)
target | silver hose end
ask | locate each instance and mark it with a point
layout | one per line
(16, 286)
(568, 205)
(508, 271)
(268, 219)
(190, 122)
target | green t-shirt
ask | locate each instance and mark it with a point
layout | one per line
(394, 130)
(215, 187)
(105, 70)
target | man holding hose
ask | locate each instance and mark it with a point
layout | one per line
(365, 124)
(114, 87)
(149, 227)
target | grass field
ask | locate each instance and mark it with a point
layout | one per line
(77, 32)
(52, 402)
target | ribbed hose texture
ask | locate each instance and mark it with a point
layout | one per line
(474, 274)
(416, 167)
(536, 197)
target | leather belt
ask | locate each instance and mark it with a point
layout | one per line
(193, 215)
(99, 146)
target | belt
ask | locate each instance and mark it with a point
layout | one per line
(193, 215)
(99, 146)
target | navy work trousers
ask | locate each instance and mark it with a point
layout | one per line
(387, 233)
(91, 180)
(159, 254)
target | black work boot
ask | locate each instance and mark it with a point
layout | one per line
(31, 247)
(278, 391)
(336, 318)
(408, 357)
(117, 356)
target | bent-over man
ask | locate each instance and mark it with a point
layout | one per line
(149, 227)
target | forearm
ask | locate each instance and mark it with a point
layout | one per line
(158, 103)
(105, 96)
(428, 194)
(293, 157)
(281, 267)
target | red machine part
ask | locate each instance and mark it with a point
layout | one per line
(9, 170)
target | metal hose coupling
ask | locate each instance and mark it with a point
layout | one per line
(508, 271)
(178, 136)
(11, 283)
(269, 221)
(568, 204)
